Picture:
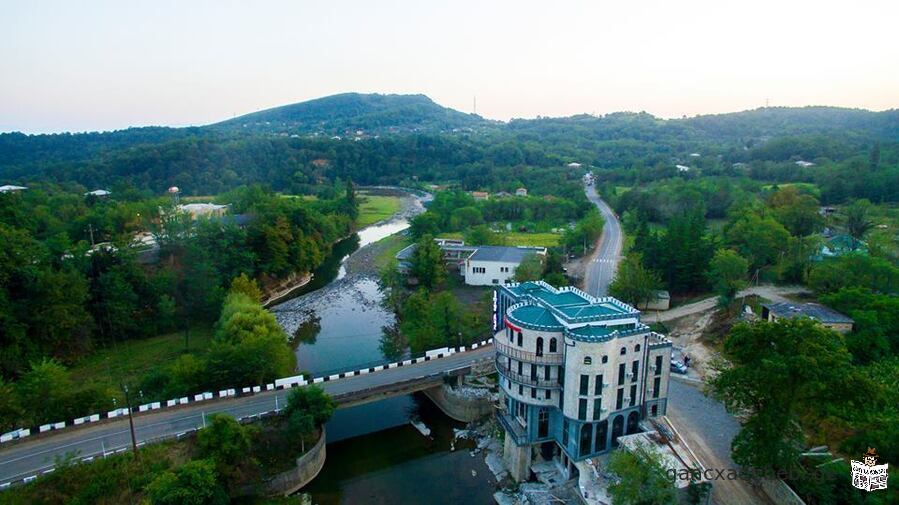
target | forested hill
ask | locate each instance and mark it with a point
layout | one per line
(347, 113)
(408, 139)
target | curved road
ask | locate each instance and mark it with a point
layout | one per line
(36, 454)
(702, 421)
(602, 266)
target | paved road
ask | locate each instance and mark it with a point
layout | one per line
(703, 421)
(602, 265)
(773, 293)
(709, 431)
(37, 455)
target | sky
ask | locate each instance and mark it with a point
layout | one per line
(101, 65)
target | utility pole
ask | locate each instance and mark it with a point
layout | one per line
(90, 229)
(131, 422)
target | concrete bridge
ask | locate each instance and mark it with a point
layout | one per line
(26, 459)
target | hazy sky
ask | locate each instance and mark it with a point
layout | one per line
(99, 65)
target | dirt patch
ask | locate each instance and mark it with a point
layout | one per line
(687, 335)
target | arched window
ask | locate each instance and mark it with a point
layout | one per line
(552, 345)
(623, 351)
(539, 346)
(588, 360)
(605, 358)
(520, 339)
(637, 348)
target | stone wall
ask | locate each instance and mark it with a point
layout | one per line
(307, 467)
(458, 406)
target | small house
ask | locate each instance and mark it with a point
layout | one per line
(823, 314)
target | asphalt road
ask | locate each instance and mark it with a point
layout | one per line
(602, 265)
(709, 431)
(37, 455)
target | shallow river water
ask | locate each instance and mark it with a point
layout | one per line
(374, 453)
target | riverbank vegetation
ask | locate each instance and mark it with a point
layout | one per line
(64, 301)
(226, 461)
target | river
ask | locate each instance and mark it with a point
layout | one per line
(375, 455)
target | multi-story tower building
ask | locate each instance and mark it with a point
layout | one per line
(576, 372)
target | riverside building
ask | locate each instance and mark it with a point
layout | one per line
(576, 372)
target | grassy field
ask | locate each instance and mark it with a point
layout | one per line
(516, 238)
(374, 208)
(130, 360)
(388, 247)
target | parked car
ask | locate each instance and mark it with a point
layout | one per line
(678, 367)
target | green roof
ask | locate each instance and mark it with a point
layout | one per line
(601, 309)
(535, 315)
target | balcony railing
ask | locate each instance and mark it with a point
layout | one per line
(515, 430)
(530, 357)
(527, 380)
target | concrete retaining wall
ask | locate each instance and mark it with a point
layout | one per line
(459, 407)
(780, 493)
(307, 468)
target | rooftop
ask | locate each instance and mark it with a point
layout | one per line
(503, 253)
(583, 317)
(814, 311)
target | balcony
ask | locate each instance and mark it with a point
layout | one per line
(513, 428)
(503, 370)
(529, 357)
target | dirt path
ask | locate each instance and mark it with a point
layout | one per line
(771, 292)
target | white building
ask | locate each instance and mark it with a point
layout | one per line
(9, 188)
(485, 265)
(490, 265)
(521, 192)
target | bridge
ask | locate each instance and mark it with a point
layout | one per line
(26, 459)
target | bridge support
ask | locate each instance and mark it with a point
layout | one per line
(458, 406)
(517, 459)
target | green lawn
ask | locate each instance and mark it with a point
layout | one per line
(518, 238)
(374, 208)
(130, 360)
(389, 246)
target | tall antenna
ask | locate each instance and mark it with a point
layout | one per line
(766, 103)
(475, 106)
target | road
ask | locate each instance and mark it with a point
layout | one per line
(702, 421)
(601, 268)
(36, 455)
(709, 430)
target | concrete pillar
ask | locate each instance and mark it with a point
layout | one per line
(517, 459)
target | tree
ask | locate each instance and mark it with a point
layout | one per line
(427, 263)
(640, 478)
(49, 385)
(483, 235)
(778, 371)
(226, 442)
(854, 270)
(308, 407)
(756, 236)
(798, 212)
(727, 273)
(244, 285)
(193, 483)
(858, 222)
(530, 269)
(634, 283)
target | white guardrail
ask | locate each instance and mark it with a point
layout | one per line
(285, 383)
